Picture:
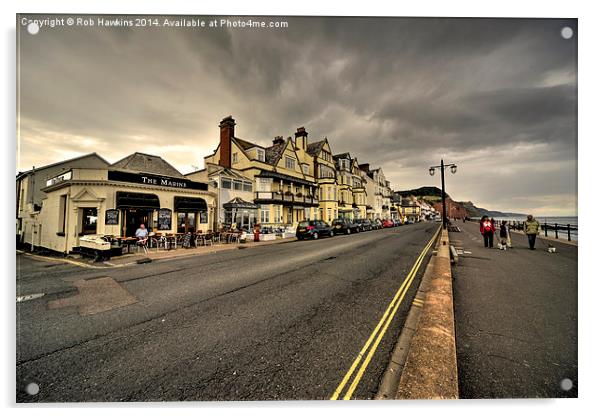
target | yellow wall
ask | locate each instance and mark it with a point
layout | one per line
(100, 195)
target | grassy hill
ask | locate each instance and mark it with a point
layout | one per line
(432, 194)
(429, 193)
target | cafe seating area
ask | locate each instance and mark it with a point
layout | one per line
(173, 241)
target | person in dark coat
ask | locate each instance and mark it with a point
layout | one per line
(487, 229)
(504, 233)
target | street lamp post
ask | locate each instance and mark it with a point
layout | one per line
(453, 168)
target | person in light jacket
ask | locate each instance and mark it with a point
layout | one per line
(531, 228)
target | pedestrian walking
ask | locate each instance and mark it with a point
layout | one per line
(531, 228)
(504, 233)
(487, 229)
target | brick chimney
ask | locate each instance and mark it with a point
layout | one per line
(226, 133)
(301, 138)
(278, 140)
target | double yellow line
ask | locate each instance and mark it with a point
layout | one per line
(380, 330)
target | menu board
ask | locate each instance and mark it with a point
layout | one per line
(112, 217)
(164, 219)
(204, 218)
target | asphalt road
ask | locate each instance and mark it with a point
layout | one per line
(516, 318)
(276, 322)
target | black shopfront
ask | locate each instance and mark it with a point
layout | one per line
(141, 207)
(136, 208)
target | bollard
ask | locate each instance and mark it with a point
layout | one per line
(545, 228)
(556, 229)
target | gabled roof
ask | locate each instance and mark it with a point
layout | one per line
(142, 162)
(315, 147)
(228, 172)
(245, 145)
(21, 174)
(345, 155)
(274, 153)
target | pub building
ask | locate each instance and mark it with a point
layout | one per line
(81, 199)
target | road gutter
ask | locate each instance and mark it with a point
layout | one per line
(423, 364)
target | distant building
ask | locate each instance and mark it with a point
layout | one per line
(378, 193)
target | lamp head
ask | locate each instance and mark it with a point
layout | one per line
(432, 171)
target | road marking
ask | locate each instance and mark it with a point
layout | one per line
(58, 260)
(386, 320)
(24, 298)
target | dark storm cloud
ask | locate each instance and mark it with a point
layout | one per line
(497, 95)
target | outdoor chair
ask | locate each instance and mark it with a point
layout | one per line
(143, 244)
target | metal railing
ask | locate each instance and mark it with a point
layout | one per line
(285, 197)
(545, 227)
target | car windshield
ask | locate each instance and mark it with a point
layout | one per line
(338, 222)
(303, 224)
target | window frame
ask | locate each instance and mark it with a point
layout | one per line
(261, 155)
(288, 159)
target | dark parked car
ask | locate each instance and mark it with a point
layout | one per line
(342, 226)
(313, 229)
(397, 222)
(364, 225)
(377, 224)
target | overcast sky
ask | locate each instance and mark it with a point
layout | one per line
(498, 97)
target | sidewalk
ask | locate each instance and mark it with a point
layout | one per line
(154, 254)
(162, 254)
(516, 317)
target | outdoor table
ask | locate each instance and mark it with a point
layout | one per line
(179, 238)
(231, 236)
(204, 237)
(127, 242)
(170, 240)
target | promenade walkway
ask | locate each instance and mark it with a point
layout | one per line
(516, 317)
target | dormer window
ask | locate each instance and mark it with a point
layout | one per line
(289, 163)
(261, 155)
(234, 157)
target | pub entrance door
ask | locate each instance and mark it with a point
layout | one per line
(187, 222)
(134, 217)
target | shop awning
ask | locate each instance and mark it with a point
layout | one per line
(239, 203)
(137, 200)
(188, 204)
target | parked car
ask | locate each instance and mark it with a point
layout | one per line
(410, 221)
(344, 226)
(365, 224)
(397, 222)
(387, 224)
(313, 229)
(377, 224)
